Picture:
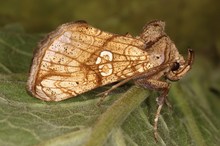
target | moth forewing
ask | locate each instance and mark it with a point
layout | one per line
(77, 57)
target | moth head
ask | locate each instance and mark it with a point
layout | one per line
(179, 66)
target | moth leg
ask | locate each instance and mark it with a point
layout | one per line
(159, 86)
(138, 77)
(105, 93)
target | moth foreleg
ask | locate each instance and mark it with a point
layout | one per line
(160, 86)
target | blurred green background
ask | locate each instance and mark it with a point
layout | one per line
(189, 23)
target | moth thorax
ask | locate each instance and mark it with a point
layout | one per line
(156, 59)
(153, 30)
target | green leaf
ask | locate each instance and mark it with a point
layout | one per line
(16, 49)
(125, 117)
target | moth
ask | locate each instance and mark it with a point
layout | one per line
(77, 57)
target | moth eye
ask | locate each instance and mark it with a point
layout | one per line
(175, 66)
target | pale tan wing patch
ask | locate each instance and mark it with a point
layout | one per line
(78, 58)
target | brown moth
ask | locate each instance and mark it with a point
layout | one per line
(77, 57)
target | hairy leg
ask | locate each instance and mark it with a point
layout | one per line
(159, 86)
(105, 93)
(138, 77)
